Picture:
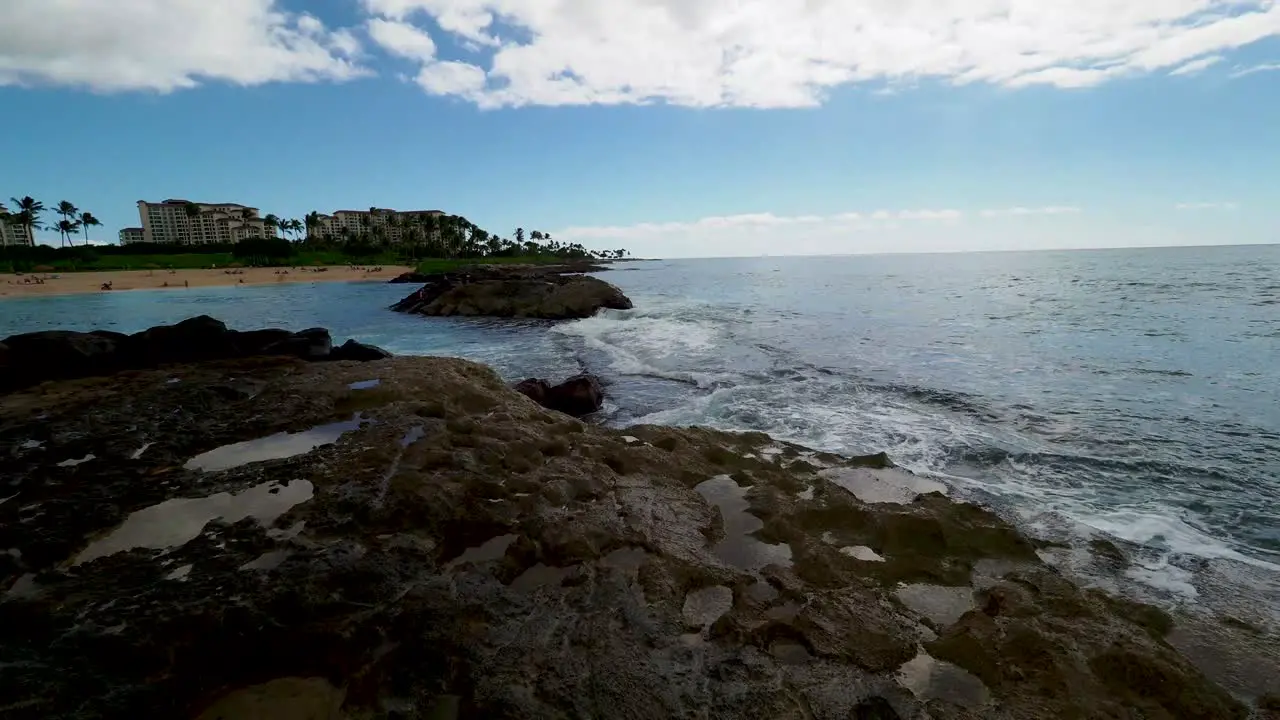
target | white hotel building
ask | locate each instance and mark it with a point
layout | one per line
(182, 222)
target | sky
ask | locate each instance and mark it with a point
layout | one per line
(668, 127)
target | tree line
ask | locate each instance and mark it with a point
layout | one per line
(421, 236)
(28, 212)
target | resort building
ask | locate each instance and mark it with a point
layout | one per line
(132, 235)
(12, 234)
(182, 222)
(395, 225)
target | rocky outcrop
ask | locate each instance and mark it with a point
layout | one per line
(539, 293)
(413, 538)
(33, 358)
(578, 396)
(494, 270)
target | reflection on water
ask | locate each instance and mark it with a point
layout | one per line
(930, 679)
(738, 548)
(178, 521)
(883, 486)
(273, 447)
(492, 550)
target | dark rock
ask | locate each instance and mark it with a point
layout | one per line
(309, 344)
(415, 278)
(874, 708)
(359, 352)
(196, 339)
(254, 342)
(57, 354)
(534, 389)
(32, 358)
(577, 396)
(515, 293)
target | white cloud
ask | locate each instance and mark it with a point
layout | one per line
(166, 45)
(1024, 211)
(790, 53)
(402, 39)
(851, 232)
(1196, 67)
(1265, 67)
(1230, 205)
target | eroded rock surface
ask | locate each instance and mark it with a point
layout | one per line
(456, 550)
(513, 292)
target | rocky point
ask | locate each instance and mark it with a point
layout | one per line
(410, 537)
(516, 291)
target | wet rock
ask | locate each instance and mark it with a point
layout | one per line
(534, 389)
(56, 354)
(309, 344)
(32, 358)
(456, 549)
(578, 396)
(546, 294)
(359, 352)
(254, 342)
(192, 340)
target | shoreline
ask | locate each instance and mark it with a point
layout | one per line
(12, 286)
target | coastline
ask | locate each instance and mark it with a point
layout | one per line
(81, 283)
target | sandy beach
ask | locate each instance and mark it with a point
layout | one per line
(19, 286)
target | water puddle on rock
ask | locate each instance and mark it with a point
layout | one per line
(540, 576)
(883, 486)
(138, 453)
(269, 560)
(365, 384)
(179, 573)
(176, 522)
(81, 461)
(414, 434)
(930, 679)
(863, 553)
(273, 447)
(491, 550)
(738, 548)
(942, 605)
(703, 607)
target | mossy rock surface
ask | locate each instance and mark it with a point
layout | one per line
(462, 548)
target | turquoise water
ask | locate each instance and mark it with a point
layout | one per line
(1134, 393)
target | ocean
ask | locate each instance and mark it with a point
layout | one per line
(1127, 395)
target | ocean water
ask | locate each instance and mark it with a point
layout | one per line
(1126, 394)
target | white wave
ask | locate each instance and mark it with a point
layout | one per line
(651, 344)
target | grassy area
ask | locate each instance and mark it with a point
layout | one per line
(440, 265)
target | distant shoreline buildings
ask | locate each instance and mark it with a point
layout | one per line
(183, 222)
(13, 234)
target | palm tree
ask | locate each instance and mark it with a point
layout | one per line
(87, 219)
(68, 228)
(310, 223)
(69, 212)
(271, 222)
(520, 235)
(296, 227)
(28, 216)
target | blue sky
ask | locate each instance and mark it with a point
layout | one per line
(670, 127)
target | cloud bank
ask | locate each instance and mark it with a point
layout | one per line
(166, 45)
(879, 231)
(700, 53)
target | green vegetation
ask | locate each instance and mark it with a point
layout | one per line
(431, 242)
(440, 265)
